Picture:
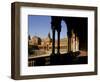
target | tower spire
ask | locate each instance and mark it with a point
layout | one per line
(49, 35)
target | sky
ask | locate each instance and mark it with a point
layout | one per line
(41, 26)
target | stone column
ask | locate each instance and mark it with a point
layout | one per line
(69, 40)
(53, 41)
(58, 50)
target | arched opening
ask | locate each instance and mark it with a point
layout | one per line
(56, 42)
(67, 35)
(63, 38)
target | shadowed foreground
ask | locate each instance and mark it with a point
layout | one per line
(58, 59)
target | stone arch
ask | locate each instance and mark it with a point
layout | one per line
(79, 26)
